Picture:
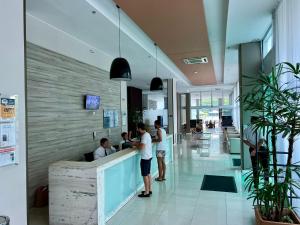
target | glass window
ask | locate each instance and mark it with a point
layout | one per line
(206, 98)
(194, 114)
(156, 101)
(217, 98)
(268, 42)
(227, 98)
(195, 99)
(226, 112)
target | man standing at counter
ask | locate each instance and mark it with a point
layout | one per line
(145, 147)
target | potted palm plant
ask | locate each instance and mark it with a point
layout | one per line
(276, 103)
(134, 118)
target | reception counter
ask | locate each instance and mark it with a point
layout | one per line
(91, 193)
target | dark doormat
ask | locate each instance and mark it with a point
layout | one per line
(236, 162)
(219, 183)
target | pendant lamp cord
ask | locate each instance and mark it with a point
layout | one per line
(119, 30)
(156, 57)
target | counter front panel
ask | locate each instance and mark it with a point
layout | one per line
(92, 192)
(123, 179)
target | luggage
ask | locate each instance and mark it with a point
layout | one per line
(41, 196)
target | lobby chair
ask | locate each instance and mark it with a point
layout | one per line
(89, 157)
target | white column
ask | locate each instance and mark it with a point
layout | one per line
(124, 112)
(172, 108)
(12, 82)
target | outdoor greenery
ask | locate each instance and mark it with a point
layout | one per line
(275, 100)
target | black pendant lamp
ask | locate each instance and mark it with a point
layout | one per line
(156, 82)
(120, 69)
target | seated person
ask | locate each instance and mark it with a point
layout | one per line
(126, 142)
(105, 149)
(198, 128)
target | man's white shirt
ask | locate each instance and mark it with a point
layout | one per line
(146, 153)
(250, 135)
(100, 152)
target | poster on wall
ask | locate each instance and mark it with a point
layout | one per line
(7, 134)
(7, 131)
(7, 109)
(7, 156)
(110, 118)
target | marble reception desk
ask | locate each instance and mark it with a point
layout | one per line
(90, 193)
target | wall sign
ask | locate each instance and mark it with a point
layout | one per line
(8, 145)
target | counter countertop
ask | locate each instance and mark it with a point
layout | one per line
(99, 162)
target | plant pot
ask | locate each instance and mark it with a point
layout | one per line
(261, 221)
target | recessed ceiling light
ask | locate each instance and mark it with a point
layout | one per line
(195, 72)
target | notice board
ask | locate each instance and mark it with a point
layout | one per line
(110, 118)
(8, 130)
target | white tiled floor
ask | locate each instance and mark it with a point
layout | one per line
(38, 216)
(179, 200)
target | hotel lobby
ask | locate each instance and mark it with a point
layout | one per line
(195, 75)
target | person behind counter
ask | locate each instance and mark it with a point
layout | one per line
(125, 142)
(105, 149)
(161, 148)
(145, 147)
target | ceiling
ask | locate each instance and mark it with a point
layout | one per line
(216, 12)
(213, 28)
(53, 24)
(179, 28)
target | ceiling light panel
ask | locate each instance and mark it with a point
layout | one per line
(195, 60)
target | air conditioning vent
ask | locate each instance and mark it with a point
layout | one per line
(195, 60)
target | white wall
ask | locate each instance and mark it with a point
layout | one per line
(12, 81)
(236, 107)
(124, 113)
(47, 36)
(175, 114)
(172, 108)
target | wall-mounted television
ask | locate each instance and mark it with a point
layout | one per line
(92, 102)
